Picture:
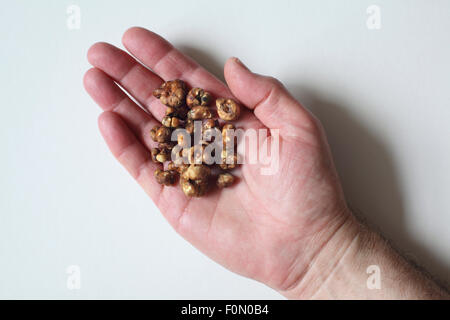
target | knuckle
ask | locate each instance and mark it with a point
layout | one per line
(274, 82)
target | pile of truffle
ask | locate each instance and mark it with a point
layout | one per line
(195, 168)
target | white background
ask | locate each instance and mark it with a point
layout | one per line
(383, 96)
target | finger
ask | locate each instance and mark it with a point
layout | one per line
(179, 210)
(136, 79)
(129, 151)
(271, 102)
(111, 98)
(169, 63)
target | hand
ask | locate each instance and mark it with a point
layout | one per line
(266, 227)
(279, 229)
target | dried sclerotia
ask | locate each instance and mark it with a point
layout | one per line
(193, 164)
(225, 180)
(198, 97)
(171, 93)
(199, 112)
(228, 109)
(168, 177)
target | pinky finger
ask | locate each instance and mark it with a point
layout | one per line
(131, 153)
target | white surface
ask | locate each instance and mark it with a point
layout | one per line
(383, 96)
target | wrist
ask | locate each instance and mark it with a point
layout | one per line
(357, 263)
(344, 233)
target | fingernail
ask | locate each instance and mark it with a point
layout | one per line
(239, 62)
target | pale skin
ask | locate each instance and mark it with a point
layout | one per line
(293, 230)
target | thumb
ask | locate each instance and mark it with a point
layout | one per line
(272, 103)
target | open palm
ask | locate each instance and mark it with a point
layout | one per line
(267, 227)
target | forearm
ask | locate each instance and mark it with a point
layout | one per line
(357, 263)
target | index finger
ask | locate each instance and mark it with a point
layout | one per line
(169, 63)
